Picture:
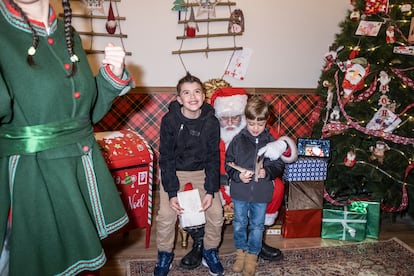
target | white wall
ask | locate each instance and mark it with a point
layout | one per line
(288, 40)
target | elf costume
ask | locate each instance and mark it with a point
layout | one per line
(57, 197)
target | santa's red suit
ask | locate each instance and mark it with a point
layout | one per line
(229, 102)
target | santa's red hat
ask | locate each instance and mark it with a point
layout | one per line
(229, 101)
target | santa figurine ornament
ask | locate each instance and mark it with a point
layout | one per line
(350, 159)
(356, 72)
(111, 22)
(390, 35)
(355, 15)
(378, 151)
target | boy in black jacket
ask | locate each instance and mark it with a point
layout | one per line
(189, 153)
(251, 184)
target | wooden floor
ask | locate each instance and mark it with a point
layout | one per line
(120, 248)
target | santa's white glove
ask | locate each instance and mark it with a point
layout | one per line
(115, 59)
(273, 150)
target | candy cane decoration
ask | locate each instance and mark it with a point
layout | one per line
(150, 177)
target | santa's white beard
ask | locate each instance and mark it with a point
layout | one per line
(227, 133)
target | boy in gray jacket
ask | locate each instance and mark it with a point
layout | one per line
(251, 184)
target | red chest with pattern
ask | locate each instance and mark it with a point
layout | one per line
(130, 160)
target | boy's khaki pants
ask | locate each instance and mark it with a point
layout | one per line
(167, 218)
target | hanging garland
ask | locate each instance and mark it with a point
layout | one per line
(406, 80)
(367, 93)
(337, 127)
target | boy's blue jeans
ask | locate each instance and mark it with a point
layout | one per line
(248, 225)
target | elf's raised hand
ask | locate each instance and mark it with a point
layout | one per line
(115, 59)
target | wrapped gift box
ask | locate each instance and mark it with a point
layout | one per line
(302, 223)
(305, 195)
(373, 219)
(306, 169)
(314, 147)
(343, 224)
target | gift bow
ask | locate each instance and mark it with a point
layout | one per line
(358, 207)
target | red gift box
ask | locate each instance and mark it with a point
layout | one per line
(302, 223)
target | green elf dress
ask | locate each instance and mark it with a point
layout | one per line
(57, 196)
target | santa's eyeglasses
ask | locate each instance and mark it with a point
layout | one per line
(231, 119)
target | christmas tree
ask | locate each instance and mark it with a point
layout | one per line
(179, 5)
(367, 105)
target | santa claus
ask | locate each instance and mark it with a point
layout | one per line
(229, 104)
(356, 72)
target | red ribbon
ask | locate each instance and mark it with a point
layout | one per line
(377, 133)
(407, 81)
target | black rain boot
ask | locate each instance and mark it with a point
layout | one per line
(270, 253)
(194, 257)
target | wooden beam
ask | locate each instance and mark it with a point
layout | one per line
(205, 20)
(249, 90)
(206, 50)
(209, 35)
(95, 52)
(88, 16)
(103, 34)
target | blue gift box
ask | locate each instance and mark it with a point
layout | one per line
(306, 169)
(314, 147)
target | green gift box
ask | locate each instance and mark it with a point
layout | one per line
(348, 224)
(373, 219)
